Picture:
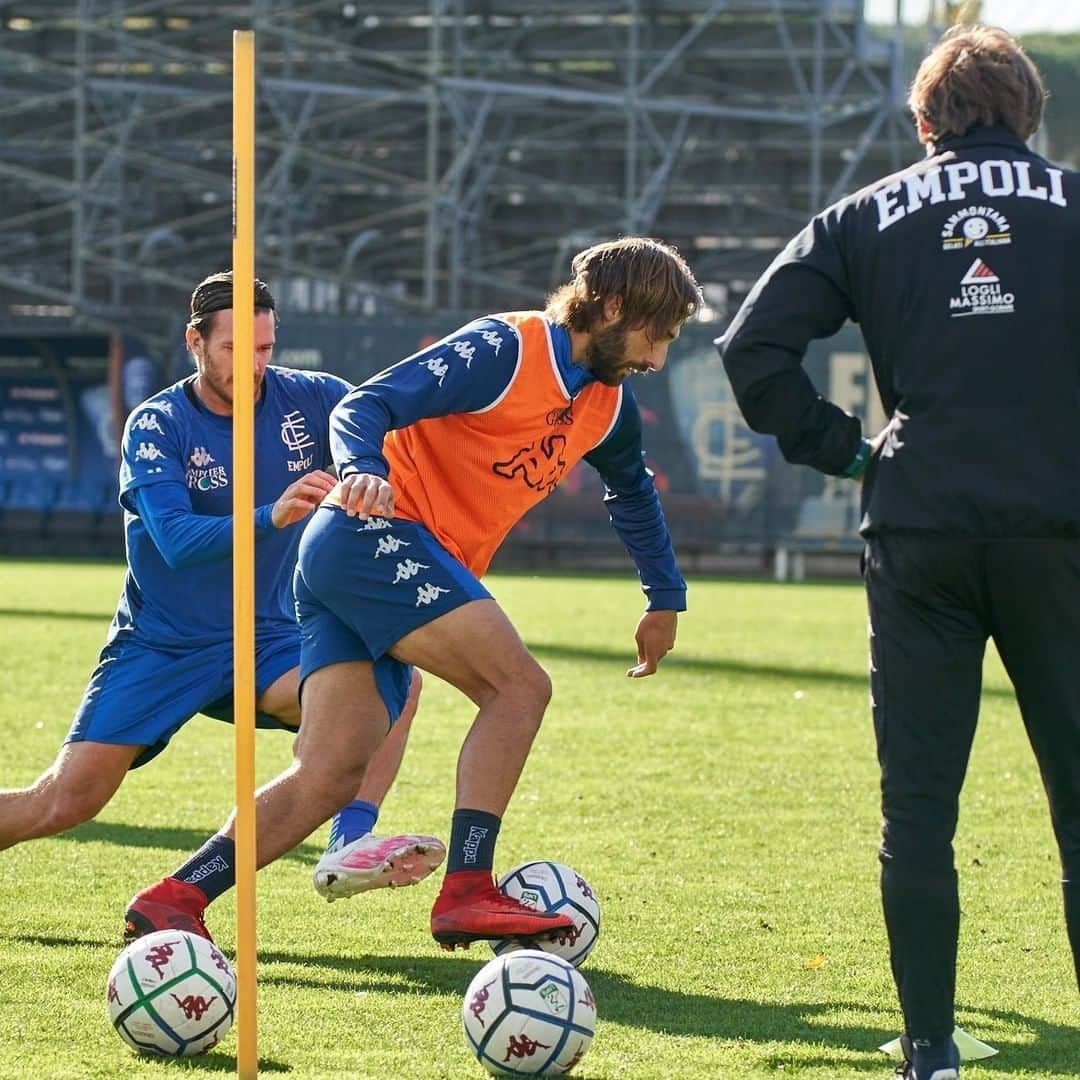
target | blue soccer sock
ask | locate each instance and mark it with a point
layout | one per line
(212, 868)
(352, 821)
(472, 840)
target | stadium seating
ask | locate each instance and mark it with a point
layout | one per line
(40, 516)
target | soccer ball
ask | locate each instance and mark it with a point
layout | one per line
(171, 993)
(552, 886)
(529, 1013)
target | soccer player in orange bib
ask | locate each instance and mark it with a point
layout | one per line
(439, 456)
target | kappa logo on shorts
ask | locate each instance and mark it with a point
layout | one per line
(409, 569)
(389, 545)
(376, 524)
(428, 594)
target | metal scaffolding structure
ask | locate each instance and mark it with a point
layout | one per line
(419, 155)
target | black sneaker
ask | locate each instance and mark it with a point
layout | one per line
(926, 1060)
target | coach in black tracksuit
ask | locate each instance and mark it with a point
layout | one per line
(964, 275)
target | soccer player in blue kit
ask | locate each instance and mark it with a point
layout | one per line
(439, 456)
(169, 650)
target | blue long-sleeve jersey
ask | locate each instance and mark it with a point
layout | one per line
(176, 489)
(468, 372)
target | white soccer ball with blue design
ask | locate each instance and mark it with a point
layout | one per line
(529, 1013)
(552, 886)
(172, 993)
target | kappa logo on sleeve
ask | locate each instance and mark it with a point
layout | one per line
(148, 451)
(200, 476)
(493, 339)
(148, 421)
(437, 366)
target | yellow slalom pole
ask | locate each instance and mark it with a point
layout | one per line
(243, 265)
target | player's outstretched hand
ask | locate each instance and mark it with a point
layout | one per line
(364, 494)
(301, 497)
(655, 637)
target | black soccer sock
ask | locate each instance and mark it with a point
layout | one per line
(472, 840)
(212, 868)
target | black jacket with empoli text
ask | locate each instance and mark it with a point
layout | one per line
(963, 273)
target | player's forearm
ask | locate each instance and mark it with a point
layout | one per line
(763, 352)
(185, 539)
(809, 429)
(639, 522)
(358, 426)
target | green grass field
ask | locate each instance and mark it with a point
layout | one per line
(725, 811)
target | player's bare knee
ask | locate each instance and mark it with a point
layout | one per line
(536, 684)
(527, 693)
(332, 773)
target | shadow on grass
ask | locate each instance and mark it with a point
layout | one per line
(669, 1012)
(551, 650)
(847, 1048)
(169, 837)
(219, 1063)
(54, 942)
(38, 613)
(722, 665)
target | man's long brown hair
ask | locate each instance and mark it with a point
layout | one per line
(978, 75)
(651, 282)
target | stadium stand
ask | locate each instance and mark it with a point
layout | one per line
(505, 137)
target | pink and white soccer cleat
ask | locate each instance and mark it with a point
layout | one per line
(376, 862)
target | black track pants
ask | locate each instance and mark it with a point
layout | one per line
(933, 603)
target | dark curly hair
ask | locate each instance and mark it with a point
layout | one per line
(215, 293)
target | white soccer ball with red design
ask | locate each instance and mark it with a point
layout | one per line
(172, 993)
(552, 886)
(529, 1013)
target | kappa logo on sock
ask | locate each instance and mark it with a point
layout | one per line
(216, 864)
(472, 843)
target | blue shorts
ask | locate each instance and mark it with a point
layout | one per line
(361, 586)
(141, 696)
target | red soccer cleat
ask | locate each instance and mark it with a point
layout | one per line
(168, 905)
(469, 908)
